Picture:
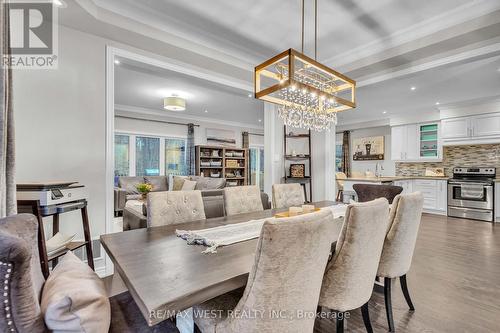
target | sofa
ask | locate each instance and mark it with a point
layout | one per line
(126, 189)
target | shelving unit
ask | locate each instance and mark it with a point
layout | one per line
(223, 162)
(303, 157)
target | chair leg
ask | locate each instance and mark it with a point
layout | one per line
(388, 303)
(196, 329)
(366, 318)
(404, 287)
(340, 322)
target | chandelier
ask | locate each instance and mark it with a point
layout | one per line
(308, 93)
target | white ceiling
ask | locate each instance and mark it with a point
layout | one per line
(141, 87)
(448, 49)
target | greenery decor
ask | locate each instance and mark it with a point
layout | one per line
(144, 189)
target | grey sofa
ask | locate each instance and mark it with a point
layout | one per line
(213, 202)
(126, 189)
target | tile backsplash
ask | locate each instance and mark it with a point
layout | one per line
(456, 156)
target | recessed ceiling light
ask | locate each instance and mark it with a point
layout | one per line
(413, 88)
(437, 103)
(384, 112)
(250, 95)
(58, 3)
(260, 120)
(206, 111)
(117, 62)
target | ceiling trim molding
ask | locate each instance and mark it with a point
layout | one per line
(110, 17)
(184, 68)
(428, 27)
(124, 109)
(471, 54)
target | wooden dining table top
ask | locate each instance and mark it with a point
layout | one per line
(165, 275)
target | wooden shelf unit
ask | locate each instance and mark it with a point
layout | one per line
(215, 155)
(307, 179)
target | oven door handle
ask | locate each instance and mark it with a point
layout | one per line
(465, 183)
(473, 209)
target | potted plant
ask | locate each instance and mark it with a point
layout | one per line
(144, 189)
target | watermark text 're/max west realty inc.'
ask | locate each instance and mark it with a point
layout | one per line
(33, 34)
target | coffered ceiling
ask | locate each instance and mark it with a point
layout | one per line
(384, 45)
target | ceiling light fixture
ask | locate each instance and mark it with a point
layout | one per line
(437, 103)
(413, 88)
(293, 81)
(384, 112)
(174, 103)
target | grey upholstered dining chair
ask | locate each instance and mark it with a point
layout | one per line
(242, 199)
(23, 286)
(174, 207)
(399, 245)
(349, 276)
(369, 192)
(287, 195)
(286, 278)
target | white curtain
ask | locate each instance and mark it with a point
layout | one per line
(7, 162)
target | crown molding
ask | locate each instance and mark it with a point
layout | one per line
(125, 109)
(456, 16)
(167, 36)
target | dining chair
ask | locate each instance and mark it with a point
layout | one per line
(173, 207)
(369, 192)
(242, 199)
(287, 195)
(399, 245)
(349, 276)
(285, 280)
(340, 177)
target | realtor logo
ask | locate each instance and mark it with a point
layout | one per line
(33, 35)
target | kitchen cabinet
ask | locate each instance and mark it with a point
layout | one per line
(416, 143)
(433, 190)
(479, 129)
(497, 201)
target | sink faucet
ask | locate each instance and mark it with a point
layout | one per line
(378, 169)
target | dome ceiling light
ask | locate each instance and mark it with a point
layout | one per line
(174, 103)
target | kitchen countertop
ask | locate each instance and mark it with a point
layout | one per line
(386, 179)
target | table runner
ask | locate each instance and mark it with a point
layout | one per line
(235, 233)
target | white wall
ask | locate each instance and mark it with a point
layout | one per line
(362, 166)
(158, 128)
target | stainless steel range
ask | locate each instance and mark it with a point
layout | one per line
(471, 193)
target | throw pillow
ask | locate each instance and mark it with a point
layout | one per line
(178, 182)
(188, 185)
(160, 183)
(74, 298)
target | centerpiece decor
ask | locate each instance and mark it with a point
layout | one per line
(144, 189)
(308, 93)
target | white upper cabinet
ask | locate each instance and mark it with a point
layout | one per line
(416, 142)
(486, 125)
(471, 129)
(455, 128)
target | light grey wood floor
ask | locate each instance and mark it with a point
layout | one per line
(454, 282)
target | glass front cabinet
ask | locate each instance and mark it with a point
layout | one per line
(429, 145)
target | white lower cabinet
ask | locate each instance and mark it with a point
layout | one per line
(497, 201)
(433, 190)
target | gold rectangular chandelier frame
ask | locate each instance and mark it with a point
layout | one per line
(273, 76)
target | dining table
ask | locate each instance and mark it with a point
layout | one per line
(165, 275)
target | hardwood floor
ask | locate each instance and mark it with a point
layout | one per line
(454, 282)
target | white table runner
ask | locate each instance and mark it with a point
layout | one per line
(235, 233)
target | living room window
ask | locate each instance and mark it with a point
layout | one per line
(175, 156)
(149, 155)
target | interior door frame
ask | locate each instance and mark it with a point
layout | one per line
(151, 59)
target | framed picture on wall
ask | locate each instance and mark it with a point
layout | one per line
(297, 170)
(368, 149)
